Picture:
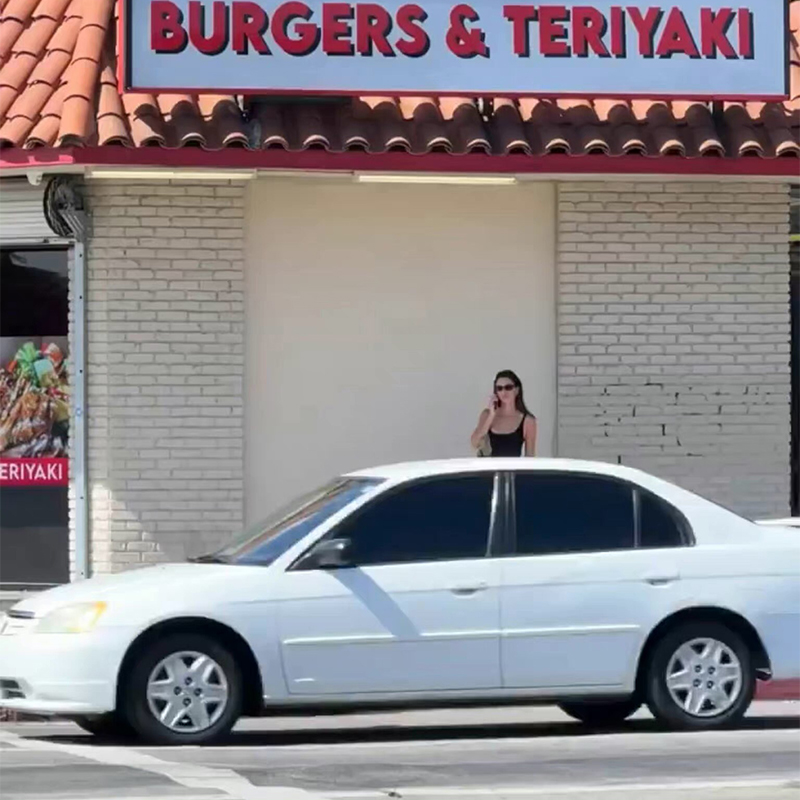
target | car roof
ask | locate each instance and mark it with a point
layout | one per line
(422, 469)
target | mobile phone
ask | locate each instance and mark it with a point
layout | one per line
(496, 403)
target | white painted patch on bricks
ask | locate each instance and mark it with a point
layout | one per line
(193, 776)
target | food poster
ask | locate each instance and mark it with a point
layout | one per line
(34, 411)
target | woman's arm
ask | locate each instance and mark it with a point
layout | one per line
(529, 432)
(484, 423)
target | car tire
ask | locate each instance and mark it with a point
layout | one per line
(601, 713)
(105, 726)
(697, 660)
(192, 673)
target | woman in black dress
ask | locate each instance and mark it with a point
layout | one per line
(505, 426)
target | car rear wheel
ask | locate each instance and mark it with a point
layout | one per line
(184, 689)
(700, 676)
(601, 713)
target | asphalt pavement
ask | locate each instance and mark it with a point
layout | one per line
(522, 753)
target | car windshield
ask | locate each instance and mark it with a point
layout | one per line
(263, 543)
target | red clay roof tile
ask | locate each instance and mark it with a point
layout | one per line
(58, 88)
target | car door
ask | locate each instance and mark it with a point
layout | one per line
(417, 611)
(594, 570)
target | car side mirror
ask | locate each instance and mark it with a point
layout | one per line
(328, 554)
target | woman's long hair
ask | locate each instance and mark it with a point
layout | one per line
(514, 378)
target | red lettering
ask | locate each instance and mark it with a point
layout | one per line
(646, 28)
(551, 29)
(373, 25)
(676, 37)
(520, 18)
(746, 33)
(307, 34)
(167, 34)
(619, 47)
(409, 19)
(464, 41)
(588, 28)
(249, 23)
(713, 32)
(217, 40)
(336, 30)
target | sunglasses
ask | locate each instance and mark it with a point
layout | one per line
(508, 387)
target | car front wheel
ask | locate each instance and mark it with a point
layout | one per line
(700, 676)
(183, 689)
(601, 713)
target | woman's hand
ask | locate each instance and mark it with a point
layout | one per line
(529, 432)
(492, 406)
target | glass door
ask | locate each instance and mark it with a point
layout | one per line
(34, 417)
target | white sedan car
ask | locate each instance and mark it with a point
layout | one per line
(594, 586)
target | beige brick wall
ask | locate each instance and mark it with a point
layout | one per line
(165, 351)
(674, 334)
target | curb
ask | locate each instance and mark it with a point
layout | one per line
(778, 690)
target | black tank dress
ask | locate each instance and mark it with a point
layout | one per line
(505, 445)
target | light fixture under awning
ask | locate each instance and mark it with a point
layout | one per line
(121, 173)
(442, 179)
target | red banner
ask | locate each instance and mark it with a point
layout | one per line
(34, 471)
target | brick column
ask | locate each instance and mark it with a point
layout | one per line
(674, 334)
(165, 357)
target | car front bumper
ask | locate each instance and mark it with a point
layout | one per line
(65, 674)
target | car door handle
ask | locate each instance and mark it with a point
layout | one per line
(661, 578)
(466, 589)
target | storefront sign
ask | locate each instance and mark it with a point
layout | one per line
(34, 471)
(689, 48)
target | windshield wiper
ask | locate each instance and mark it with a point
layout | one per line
(209, 558)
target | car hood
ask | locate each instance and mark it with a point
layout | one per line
(104, 587)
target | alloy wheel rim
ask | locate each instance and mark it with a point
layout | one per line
(187, 691)
(704, 677)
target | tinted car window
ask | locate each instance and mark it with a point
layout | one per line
(572, 514)
(660, 526)
(434, 520)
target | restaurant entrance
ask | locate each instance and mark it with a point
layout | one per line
(794, 260)
(34, 417)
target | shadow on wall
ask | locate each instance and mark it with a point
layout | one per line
(128, 533)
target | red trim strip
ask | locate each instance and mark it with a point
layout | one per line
(359, 161)
(37, 158)
(788, 689)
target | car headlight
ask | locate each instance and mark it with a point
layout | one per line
(77, 618)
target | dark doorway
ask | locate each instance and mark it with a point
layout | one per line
(794, 261)
(34, 417)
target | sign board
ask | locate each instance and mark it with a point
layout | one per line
(687, 49)
(34, 471)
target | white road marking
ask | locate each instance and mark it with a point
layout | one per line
(193, 776)
(522, 740)
(639, 789)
